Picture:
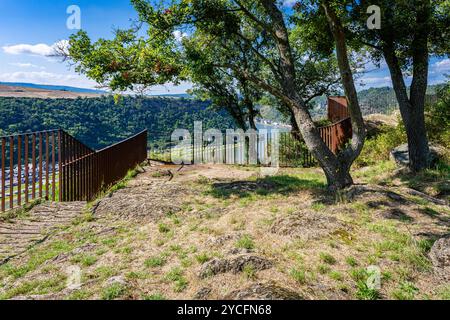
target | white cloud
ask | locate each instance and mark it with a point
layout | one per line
(26, 65)
(441, 66)
(40, 49)
(43, 77)
(376, 81)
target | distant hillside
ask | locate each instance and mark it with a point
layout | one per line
(52, 87)
(99, 122)
(31, 92)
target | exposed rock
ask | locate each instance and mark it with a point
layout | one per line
(244, 186)
(116, 280)
(306, 225)
(400, 154)
(150, 201)
(440, 258)
(234, 265)
(202, 294)
(396, 214)
(219, 241)
(363, 192)
(263, 291)
(235, 251)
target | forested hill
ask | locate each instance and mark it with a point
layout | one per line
(99, 122)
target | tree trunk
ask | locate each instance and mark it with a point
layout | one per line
(412, 112)
(336, 168)
(337, 172)
(349, 154)
(412, 108)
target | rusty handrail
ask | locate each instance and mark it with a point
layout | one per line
(28, 167)
(55, 166)
(85, 173)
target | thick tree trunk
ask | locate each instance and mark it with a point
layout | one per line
(337, 172)
(295, 132)
(412, 112)
(412, 108)
(337, 169)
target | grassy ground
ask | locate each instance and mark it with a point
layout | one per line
(158, 235)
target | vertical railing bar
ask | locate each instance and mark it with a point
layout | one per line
(33, 167)
(40, 165)
(3, 174)
(53, 167)
(47, 167)
(60, 166)
(72, 166)
(27, 170)
(19, 170)
(11, 172)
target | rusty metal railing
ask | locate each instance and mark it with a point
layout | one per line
(29, 168)
(55, 166)
(85, 172)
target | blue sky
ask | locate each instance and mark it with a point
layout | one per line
(29, 29)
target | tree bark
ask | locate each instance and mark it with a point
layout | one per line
(412, 108)
(335, 167)
(348, 155)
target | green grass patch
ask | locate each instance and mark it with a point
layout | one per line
(327, 258)
(245, 242)
(113, 291)
(153, 262)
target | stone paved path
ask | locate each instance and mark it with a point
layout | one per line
(18, 235)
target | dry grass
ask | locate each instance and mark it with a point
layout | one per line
(226, 212)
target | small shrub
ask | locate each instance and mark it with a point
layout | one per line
(299, 275)
(323, 269)
(155, 296)
(113, 291)
(176, 275)
(249, 271)
(406, 291)
(351, 261)
(202, 258)
(378, 148)
(245, 242)
(163, 228)
(154, 262)
(327, 258)
(363, 292)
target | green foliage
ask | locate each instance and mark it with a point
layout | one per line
(437, 118)
(378, 148)
(100, 122)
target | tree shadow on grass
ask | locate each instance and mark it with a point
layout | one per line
(280, 184)
(437, 179)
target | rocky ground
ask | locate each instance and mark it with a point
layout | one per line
(228, 232)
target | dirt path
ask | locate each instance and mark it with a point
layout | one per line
(19, 234)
